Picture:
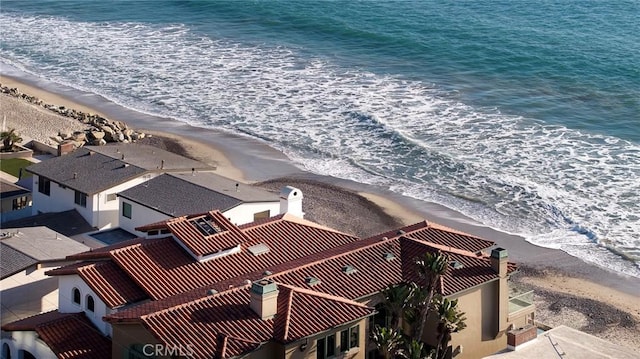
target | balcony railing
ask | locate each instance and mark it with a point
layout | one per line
(520, 302)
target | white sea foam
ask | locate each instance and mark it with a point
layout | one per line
(557, 187)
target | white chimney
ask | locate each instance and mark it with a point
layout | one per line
(291, 201)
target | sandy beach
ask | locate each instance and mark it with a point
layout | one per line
(568, 290)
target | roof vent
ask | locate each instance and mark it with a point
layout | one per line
(258, 249)
(267, 272)
(212, 292)
(385, 238)
(125, 165)
(312, 281)
(91, 153)
(389, 257)
(75, 175)
(349, 269)
(456, 265)
(400, 231)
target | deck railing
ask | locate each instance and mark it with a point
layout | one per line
(520, 302)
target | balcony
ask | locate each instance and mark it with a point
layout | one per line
(521, 304)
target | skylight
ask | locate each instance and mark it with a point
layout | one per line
(312, 281)
(258, 249)
(349, 269)
(206, 226)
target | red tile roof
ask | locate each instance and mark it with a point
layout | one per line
(475, 270)
(68, 335)
(110, 283)
(186, 230)
(238, 330)
(163, 269)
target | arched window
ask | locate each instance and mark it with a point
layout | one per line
(90, 303)
(76, 295)
(6, 351)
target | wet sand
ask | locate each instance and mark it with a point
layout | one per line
(568, 290)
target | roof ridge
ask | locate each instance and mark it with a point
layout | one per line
(441, 227)
(305, 222)
(446, 248)
(194, 301)
(337, 255)
(323, 295)
(287, 320)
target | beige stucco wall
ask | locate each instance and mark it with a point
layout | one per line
(481, 336)
(125, 335)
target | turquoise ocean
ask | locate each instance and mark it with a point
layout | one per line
(523, 115)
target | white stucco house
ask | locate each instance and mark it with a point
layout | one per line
(89, 178)
(173, 195)
(27, 253)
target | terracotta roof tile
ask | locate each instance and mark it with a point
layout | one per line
(228, 317)
(104, 252)
(105, 278)
(111, 284)
(188, 230)
(303, 312)
(474, 271)
(162, 268)
(30, 323)
(68, 335)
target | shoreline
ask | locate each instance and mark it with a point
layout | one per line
(249, 161)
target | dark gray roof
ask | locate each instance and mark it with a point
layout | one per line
(8, 189)
(243, 192)
(13, 261)
(41, 243)
(176, 197)
(148, 157)
(68, 223)
(93, 171)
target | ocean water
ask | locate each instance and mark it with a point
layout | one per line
(523, 115)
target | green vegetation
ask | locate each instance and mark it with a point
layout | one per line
(407, 307)
(13, 165)
(9, 139)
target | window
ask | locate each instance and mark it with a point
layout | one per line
(76, 295)
(111, 197)
(44, 185)
(261, 215)
(20, 203)
(349, 339)
(126, 210)
(326, 347)
(81, 199)
(90, 304)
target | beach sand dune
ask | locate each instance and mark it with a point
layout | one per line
(562, 297)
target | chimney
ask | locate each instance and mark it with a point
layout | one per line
(499, 259)
(264, 298)
(291, 201)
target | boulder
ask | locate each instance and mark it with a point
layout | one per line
(96, 135)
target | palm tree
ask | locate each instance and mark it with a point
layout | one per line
(415, 350)
(396, 300)
(388, 341)
(430, 267)
(451, 320)
(9, 138)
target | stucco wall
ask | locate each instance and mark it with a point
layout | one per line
(66, 284)
(28, 293)
(140, 216)
(127, 334)
(244, 213)
(480, 338)
(27, 340)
